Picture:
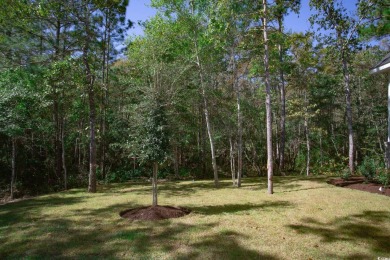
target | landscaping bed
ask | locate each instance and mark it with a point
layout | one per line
(359, 183)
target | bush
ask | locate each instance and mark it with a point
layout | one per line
(383, 177)
(368, 168)
(345, 174)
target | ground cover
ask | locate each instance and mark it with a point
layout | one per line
(306, 218)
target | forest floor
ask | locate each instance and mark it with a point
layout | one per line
(305, 218)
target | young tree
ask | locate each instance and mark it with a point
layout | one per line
(156, 142)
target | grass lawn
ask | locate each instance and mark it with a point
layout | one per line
(305, 219)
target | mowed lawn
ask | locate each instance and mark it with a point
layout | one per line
(305, 219)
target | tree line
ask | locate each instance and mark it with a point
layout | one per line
(212, 88)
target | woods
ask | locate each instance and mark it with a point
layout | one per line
(212, 90)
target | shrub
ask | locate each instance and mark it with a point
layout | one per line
(368, 168)
(383, 177)
(345, 174)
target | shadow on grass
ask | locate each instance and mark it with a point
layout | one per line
(29, 210)
(91, 239)
(237, 208)
(177, 238)
(360, 228)
(57, 238)
(184, 188)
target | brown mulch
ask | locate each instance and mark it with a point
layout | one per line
(154, 213)
(358, 183)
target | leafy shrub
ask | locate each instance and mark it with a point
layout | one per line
(124, 175)
(383, 177)
(345, 174)
(368, 168)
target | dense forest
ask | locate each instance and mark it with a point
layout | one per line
(213, 89)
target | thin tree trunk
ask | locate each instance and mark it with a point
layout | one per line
(176, 162)
(206, 110)
(321, 152)
(57, 124)
(306, 125)
(154, 183)
(13, 165)
(213, 158)
(349, 115)
(283, 105)
(232, 164)
(63, 156)
(388, 128)
(239, 138)
(268, 102)
(92, 108)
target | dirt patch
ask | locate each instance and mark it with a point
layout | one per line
(358, 183)
(154, 213)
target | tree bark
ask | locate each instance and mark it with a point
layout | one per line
(307, 133)
(239, 128)
(388, 128)
(349, 114)
(57, 124)
(92, 109)
(176, 161)
(206, 109)
(154, 183)
(232, 162)
(13, 166)
(283, 106)
(268, 102)
(63, 155)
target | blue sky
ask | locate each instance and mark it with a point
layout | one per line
(140, 10)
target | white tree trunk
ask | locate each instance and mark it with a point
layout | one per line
(268, 103)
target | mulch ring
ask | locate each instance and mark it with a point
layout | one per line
(358, 183)
(154, 213)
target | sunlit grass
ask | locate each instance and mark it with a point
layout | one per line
(304, 219)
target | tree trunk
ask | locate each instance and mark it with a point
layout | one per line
(176, 161)
(283, 106)
(213, 158)
(349, 115)
(92, 144)
(232, 163)
(154, 183)
(13, 166)
(92, 109)
(321, 151)
(63, 156)
(239, 141)
(57, 124)
(206, 109)
(307, 133)
(268, 102)
(388, 128)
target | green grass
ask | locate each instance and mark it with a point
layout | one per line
(305, 219)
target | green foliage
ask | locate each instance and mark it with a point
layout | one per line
(345, 174)
(124, 175)
(383, 177)
(368, 168)
(155, 143)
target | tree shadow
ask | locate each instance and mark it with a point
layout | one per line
(366, 227)
(30, 209)
(58, 238)
(169, 237)
(237, 208)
